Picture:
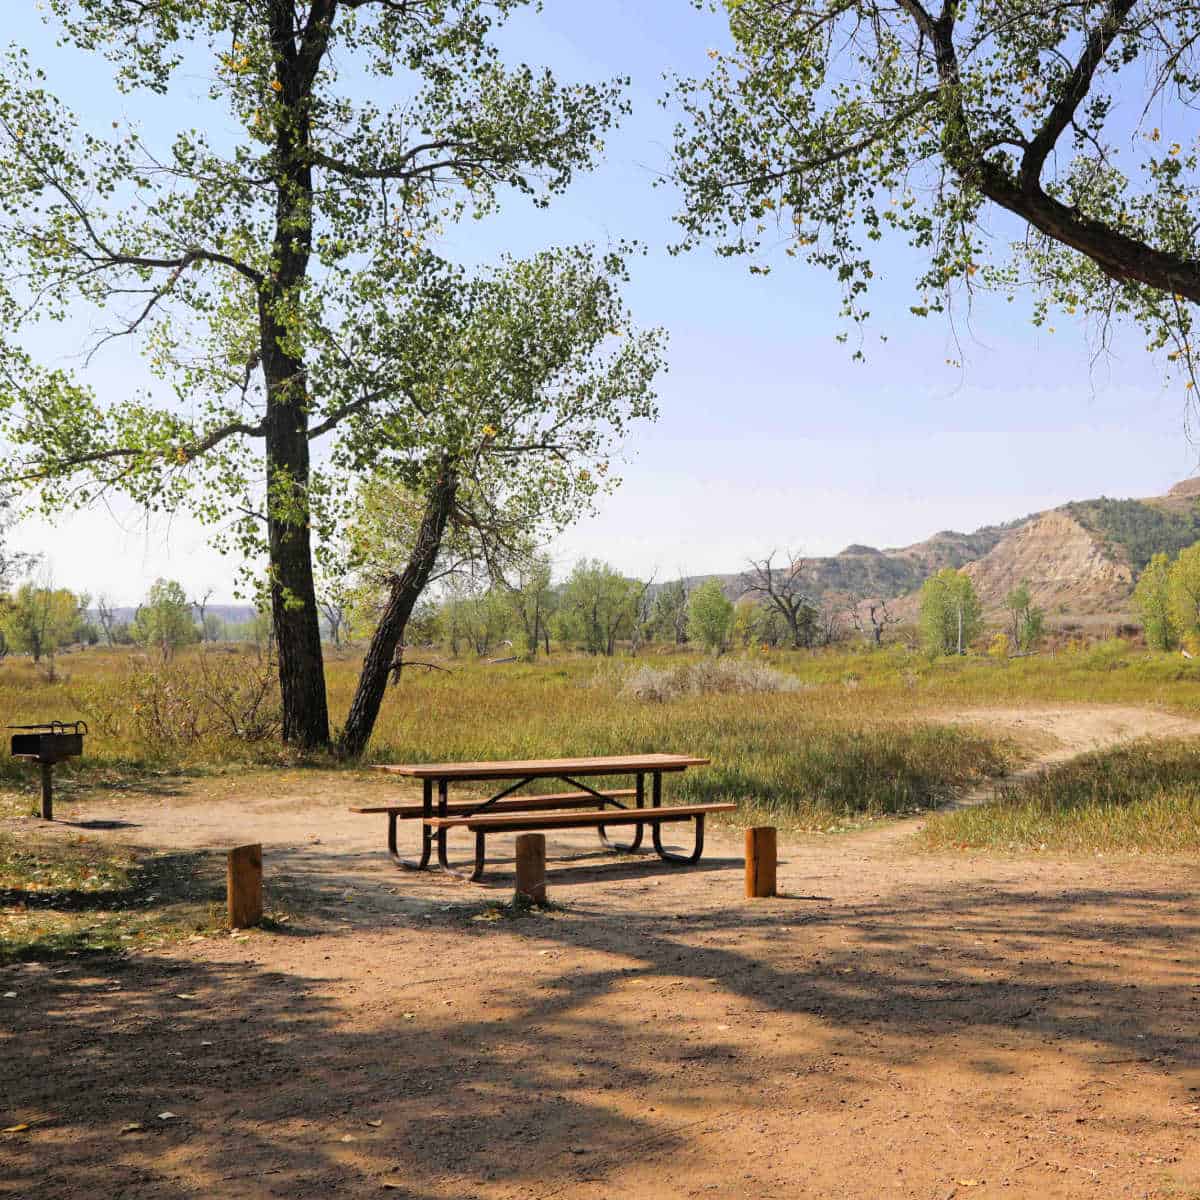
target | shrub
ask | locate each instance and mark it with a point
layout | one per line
(162, 708)
(710, 677)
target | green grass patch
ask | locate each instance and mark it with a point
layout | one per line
(1141, 798)
(80, 896)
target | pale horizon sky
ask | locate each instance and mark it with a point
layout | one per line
(769, 435)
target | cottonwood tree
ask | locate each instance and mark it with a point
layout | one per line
(40, 618)
(165, 618)
(598, 606)
(834, 123)
(1152, 600)
(710, 616)
(950, 615)
(784, 589)
(333, 601)
(1184, 594)
(532, 598)
(254, 267)
(519, 387)
(1027, 622)
(669, 614)
(641, 626)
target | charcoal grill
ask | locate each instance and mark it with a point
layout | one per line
(47, 744)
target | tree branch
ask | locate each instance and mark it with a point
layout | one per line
(1121, 257)
(182, 454)
(1075, 90)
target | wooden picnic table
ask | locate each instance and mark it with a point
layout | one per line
(511, 810)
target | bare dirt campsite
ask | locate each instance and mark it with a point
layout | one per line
(898, 1021)
(565, 627)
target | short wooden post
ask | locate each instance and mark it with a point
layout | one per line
(243, 884)
(531, 867)
(760, 861)
(47, 791)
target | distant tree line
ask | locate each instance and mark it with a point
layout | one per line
(598, 609)
(39, 618)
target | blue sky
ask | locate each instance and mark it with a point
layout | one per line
(770, 436)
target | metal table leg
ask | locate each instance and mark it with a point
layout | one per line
(443, 834)
(635, 845)
(426, 833)
(669, 855)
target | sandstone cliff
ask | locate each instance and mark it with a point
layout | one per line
(1067, 568)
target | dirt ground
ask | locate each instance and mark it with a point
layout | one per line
(895, 1024)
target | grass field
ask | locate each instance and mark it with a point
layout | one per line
(838, 736)
(838, 742)
(1142, 798)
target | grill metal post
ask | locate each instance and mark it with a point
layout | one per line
(47, 791)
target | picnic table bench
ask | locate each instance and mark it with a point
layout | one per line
(511, 811)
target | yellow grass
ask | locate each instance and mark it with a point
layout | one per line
(859, 735)
(1141, 798)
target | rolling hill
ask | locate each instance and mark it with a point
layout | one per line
(1080, 560)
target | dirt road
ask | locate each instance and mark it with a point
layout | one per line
(895, 1024)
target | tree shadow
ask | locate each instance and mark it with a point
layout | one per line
(267, 1088)
(99, 824)
(268, 1070)
(161, 879)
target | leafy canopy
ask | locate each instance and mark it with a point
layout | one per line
(710, 616)
(39, 618)
(306, 228)
(1152, 601)
(165, 619)
(598, 606)
(834, 123)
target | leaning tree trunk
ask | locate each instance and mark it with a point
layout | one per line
(403, 593)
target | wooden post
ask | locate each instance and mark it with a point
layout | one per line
(531, 867)
(47, 791)
(243, 884)
(760, 861)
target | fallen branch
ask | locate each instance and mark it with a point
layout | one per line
(400, 664)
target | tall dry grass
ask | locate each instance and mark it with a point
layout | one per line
(805, 753)
(804, 737)
(1140, 798)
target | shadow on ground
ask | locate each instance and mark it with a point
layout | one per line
(274, 1076)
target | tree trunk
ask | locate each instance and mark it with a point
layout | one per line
(794, 626)
(403, 594)
(294, 613)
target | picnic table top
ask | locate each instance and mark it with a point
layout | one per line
(618, 764)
